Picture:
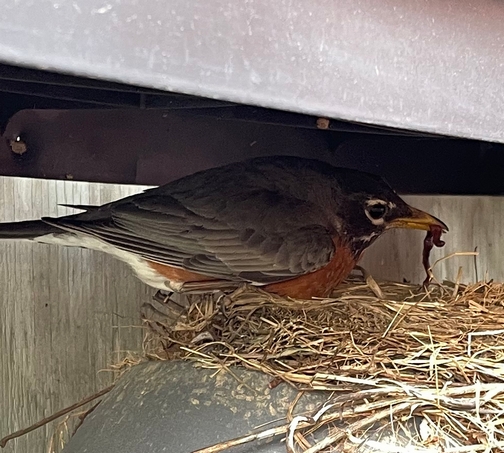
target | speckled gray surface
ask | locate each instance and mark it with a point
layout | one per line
(177, 408)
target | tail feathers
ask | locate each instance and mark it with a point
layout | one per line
(30, 229)
(82, 207)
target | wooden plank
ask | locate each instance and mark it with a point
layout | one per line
(66, 314)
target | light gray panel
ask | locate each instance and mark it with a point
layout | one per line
(431, 65)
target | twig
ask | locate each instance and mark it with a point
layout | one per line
(45, 421)
(83, 416)
(479, 334)
(289, 444)
(476, 264)
(453, 255)
(371, 282)
(273, 432)
(457, 282)
(340, 434)
(385, 446)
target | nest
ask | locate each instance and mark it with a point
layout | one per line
(390, 355)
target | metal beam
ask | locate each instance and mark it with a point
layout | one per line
(139, 146)
(156, 146)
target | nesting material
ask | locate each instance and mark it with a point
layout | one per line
(391, 355)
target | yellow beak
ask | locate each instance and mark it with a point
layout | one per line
(419, 220)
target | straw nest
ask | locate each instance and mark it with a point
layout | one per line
(390, 354)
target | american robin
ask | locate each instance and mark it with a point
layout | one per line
(294, 226)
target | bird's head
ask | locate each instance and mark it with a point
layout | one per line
(368, 206)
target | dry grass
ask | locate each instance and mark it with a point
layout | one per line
(434, 357)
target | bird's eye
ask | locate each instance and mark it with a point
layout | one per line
(377, 211)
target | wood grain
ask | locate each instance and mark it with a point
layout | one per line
(66, 314)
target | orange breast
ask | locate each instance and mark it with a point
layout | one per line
(316, 284)
(321, 282)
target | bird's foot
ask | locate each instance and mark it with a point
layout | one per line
(164, 309)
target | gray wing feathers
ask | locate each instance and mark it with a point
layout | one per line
(224, 239)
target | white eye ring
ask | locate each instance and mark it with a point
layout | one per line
(376, 210)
